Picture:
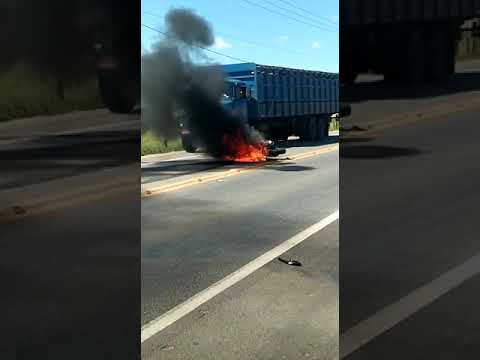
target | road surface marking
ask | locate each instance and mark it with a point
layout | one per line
(161, 160)
(179, 311)
(309, 154)
(144, 158)
(412, 117)
(20, 202)
(194, 181)
(187, 157)
(156, 190)
(15, 213)
(364, 332)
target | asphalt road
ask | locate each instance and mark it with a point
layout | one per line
(70, 259)
(198, 235)
(34, 150)
(409, 221)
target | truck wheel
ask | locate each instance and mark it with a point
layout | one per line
(188, 144)
(279, 135)
(114, 94)
(326, 129)
(312, 130)
(348, 75)
(322, 129)
(440, 68)
(283, 135)
(299, 127)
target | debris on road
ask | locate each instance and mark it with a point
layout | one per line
(203, 313)
(167, 347)
(291, 262)
(19, 210)
(273, 150)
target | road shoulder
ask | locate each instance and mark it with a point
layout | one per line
(279, 312)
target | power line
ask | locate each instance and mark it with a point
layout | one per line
(299, 14)
(152, 14)
(255, 43)
(198, 46)
(203, 48)
(287, 16)
(308, 12)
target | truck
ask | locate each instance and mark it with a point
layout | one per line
(115, 33)
(405, 40)
(277, 101)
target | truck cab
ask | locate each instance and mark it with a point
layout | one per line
(236, 100)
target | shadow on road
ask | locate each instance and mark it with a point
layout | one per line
(289, 167)
(346, 140)
(25, 163)
(376, 151)
(67, 145)
(176, 168)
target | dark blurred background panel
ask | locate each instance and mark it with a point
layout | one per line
(409, 172)
(69, 179)
(80, 53)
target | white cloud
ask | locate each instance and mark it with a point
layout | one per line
(316, 45)
(283, 38)
(221, 44)
(335, 18)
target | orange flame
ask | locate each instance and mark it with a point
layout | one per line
(239, 150)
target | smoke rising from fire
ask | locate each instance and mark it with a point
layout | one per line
(175, 89)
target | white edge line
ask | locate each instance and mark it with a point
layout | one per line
(161, 161)
(179, 311)
(364, 332)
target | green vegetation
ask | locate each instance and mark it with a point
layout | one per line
(334, 124)
(468, 47)
(152, 144)
(24, 93)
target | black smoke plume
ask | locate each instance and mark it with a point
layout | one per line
(174, 89)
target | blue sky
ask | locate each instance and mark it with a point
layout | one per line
(248, 32)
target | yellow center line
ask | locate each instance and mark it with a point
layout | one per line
(308, 154)
(225, 174)
(40, 206)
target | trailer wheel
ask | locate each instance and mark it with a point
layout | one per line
(416, 65)
(443, 53)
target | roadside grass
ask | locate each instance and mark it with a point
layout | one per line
(468, 47)
(24, 93)
(334, 124)
(152, 144)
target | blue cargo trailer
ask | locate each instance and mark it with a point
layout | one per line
(282, 101)
(277, 101)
